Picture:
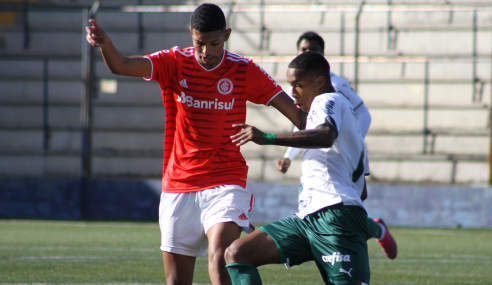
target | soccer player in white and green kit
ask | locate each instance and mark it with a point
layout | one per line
(311, 41)
(330, 226)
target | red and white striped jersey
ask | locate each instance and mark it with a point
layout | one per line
(201, 107)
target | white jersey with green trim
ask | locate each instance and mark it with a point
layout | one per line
(343, 86)
(361, 113)
(333, 175)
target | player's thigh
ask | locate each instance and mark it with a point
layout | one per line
(291, 240)
(256, 248)
(179, 268)
(338, 244)
(182, 231)
(226, 203)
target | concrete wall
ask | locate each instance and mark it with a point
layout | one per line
(128, 134)
(400, 205)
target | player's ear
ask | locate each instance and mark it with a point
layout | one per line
(227, 34)
(191, 31)
(320, 82)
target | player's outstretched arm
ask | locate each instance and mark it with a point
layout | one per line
(115, 61)
(285, 105)
(323, 136)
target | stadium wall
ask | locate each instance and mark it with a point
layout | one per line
(399, 205)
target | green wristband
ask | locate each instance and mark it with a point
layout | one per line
(269, 138)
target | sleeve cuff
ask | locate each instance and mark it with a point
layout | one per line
(152, 70)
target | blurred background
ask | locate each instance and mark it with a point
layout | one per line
(77, 142)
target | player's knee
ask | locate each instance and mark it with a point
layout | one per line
(216, 260)
(231, 253)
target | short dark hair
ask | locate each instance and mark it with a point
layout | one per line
(312, 36)
(208, 18)
(312, 62)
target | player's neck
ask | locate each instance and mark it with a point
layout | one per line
(327, 89)
(211, 67)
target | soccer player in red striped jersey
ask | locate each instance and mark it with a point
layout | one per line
(204, 88)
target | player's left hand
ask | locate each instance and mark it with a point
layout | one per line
(249, 133)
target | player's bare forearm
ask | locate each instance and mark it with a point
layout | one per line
(122, 65)
(115, 61)
(284, 104)
(321, 137)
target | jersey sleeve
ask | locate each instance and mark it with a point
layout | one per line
(163, 65)
(324, 108)
(260, 87)
(343, 86)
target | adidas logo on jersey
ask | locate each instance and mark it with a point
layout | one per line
(243, 217)
(336, 257)
(183, 83)
(205, 104)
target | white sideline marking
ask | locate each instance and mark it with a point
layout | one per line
(454, 259)
(437, 256)
(402, 260)
(449, 231)
(80, 248)
(84, 224)
(82, 257)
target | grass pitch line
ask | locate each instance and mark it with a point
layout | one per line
(432, 261)
(144, 224)
(80, 257)
(80, 248)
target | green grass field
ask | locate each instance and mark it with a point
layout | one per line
(122, 253)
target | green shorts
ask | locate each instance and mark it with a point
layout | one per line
(334, 237)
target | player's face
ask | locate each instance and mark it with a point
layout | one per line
(306, 45)
(305, 86)
(209, 46)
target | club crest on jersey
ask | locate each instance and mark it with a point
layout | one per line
(225, 86)
(183, 83)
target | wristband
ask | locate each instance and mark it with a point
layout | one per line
(269, 138)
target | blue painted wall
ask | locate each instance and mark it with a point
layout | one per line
(61, 199)
(402, 205)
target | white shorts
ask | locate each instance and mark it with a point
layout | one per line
(185, 218)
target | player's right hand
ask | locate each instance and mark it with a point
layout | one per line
(283, 164)
(96, 36)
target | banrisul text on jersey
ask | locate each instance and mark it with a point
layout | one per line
(205, 104)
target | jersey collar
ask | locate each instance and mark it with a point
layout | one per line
(220, 63)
